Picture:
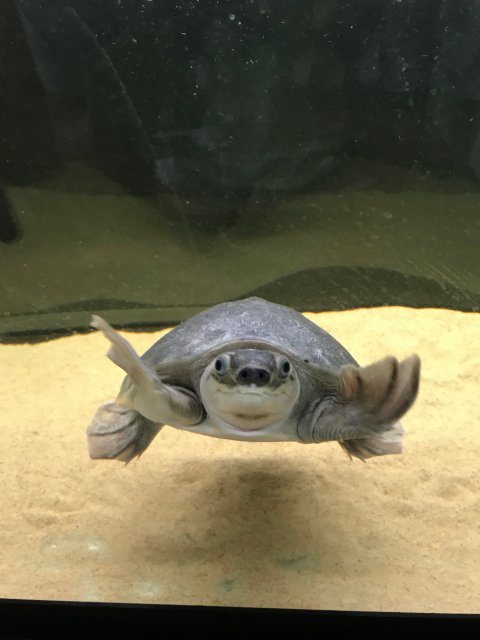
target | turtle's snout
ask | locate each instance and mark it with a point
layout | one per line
(253, 375)
(249, 389)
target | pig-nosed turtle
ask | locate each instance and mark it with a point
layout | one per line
(258, 371)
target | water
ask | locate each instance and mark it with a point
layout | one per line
(116, 254)
(305, 157)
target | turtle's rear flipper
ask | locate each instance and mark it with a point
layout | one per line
(389, 442)
(120, 433)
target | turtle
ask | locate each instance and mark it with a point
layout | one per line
(258, 371)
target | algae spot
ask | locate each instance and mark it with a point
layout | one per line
(227, 584)
(299, 561)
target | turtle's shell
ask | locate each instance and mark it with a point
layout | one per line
(252, 323)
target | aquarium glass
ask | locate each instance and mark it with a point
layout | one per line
(159, 157)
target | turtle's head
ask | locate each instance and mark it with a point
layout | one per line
(249, 388)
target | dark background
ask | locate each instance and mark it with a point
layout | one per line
(208, 109)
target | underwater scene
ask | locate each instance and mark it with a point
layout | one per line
(287, 196)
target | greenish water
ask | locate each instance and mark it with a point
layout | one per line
(87, 246)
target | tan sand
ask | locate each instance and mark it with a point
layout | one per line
(204, 521)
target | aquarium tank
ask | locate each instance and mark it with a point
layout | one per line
(160, 157)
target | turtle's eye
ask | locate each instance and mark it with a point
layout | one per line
(221, 365)
(284, 367)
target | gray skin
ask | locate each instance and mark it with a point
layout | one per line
(258, 371)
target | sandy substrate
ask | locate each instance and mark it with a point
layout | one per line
(204, 521)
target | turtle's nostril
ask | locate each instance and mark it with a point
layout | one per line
(253, 375)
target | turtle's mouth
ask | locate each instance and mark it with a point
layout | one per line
(251, 416)
(252, 390)
(246, 408)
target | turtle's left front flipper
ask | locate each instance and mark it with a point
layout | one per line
(143, 390)
(363, 414)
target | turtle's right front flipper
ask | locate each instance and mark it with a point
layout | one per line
(143, 390)
(120, 433)
(363, 412)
